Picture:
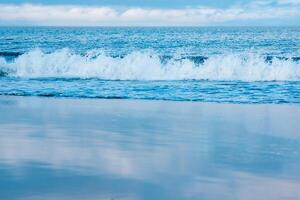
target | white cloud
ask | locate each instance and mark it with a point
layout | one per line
(84, 15)
(289, 2)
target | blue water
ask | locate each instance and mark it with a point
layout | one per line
(221, 64)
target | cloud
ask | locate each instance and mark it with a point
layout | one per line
(90, 16)
(288, 2)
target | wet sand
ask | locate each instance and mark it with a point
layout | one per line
(61, 149)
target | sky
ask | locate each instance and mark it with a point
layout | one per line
(150, 12)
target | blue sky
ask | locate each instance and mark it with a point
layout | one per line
(149, 12)
(137, 3)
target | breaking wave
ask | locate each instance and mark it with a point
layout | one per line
(64, 63)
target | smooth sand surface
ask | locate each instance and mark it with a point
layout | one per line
(63, 149)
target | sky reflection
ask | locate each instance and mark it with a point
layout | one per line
(111, 149)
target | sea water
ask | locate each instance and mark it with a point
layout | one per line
(207, 64)
(81, 147)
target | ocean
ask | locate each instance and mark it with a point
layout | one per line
(253, 65)
(149, 113)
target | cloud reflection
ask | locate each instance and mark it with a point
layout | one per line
(177, 149)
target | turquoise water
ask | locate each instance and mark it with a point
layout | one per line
(221, 64)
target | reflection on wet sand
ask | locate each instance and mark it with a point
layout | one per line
(118, 149)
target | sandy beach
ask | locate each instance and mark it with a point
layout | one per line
(59, 148)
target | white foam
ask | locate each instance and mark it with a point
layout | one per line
(2, 62)
(148, 66)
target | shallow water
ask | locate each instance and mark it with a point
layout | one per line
(193, 90)
(56, 148)
(217, 64)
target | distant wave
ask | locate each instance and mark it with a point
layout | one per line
(64, 63)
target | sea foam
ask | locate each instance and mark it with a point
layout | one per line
(64, 63)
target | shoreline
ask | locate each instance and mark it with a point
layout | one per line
(145, 100)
